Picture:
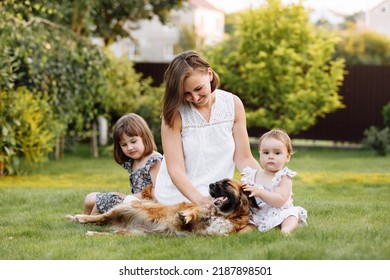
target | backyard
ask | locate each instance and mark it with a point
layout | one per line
(345, 191)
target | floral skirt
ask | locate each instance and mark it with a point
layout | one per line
(269, 217)
(106, 201)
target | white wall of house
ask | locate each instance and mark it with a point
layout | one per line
(154, 42)
(378, 18)
(210, 24)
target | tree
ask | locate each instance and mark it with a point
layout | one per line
(187, 39)
(364, 48)
(107, 19)
(55, 67)
(46, 57)
(28, 128)
(280, 65)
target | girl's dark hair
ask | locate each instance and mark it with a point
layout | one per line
(132, 125)
(178, 70)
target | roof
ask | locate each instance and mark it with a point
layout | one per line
(204, 4)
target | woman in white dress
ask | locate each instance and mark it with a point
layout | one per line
(203, 133)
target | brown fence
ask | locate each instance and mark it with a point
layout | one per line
(365, 90)
(153, 70)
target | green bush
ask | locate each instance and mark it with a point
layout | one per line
(378, 140)
(150, 110)
(386, 115)
(28, 129)
(363, 48)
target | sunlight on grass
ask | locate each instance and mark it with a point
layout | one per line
(341, 178)
(109, 181)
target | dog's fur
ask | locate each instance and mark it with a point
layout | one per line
(229, 213)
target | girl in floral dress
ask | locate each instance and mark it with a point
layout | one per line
(136, 151)
(272, 186)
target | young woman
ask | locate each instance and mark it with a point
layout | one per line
(203, 133)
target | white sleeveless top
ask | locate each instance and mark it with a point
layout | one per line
(208, 149)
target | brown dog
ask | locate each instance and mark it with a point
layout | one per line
(230, 213)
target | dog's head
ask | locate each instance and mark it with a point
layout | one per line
(231, 198)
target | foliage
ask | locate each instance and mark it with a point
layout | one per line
(280, 65)
(149, 109)
(110, 17)
(8, 145)
(44, 48)
(129, 92)
(124, 87)
(378, 140)
(188, 38)
(365, 48)
(386, 115)
(28, 128)
(107, 19)
(56, 66)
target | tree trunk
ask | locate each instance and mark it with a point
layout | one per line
(1, 168)
(94, 141)
(103, 129)
(57, 149)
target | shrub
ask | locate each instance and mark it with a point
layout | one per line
(28, 129)
(377, 139)
(386, 115)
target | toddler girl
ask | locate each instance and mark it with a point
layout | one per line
(272, 185)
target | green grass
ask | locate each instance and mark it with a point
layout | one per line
(346, 194)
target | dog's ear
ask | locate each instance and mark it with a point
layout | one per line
(253, 203)
(252, 200)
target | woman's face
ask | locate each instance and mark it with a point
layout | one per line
(197, 88)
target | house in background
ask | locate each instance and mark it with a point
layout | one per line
(154, 42)
(207, 21)
(376, 19)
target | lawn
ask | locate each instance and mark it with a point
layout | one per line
(345, 191)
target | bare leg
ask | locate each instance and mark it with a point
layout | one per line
(90, 204)
(247, 228)
(289, 224)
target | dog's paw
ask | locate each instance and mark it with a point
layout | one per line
(70, 218)
(185, 217)
(80, 218)
(96, 233)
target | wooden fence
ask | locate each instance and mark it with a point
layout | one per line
(365, 91)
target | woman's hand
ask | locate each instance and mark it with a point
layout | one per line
(205, 201)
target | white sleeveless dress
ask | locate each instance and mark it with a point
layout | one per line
(208, 149)
(268, 217)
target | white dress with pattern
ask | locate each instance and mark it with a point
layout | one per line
(268, 217)
(208, 149)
